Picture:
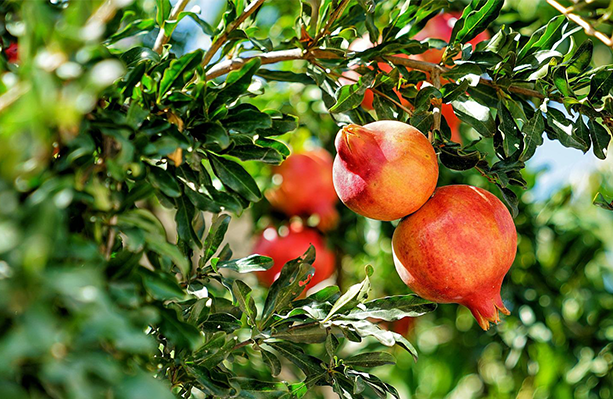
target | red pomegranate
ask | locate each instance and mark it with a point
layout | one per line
(12, 53)
(384, 170)
(457, 248)
(306, 187)
(290, 246)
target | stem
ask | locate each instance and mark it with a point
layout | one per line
(272, 57)
(589, 29)
(162, 39)
(436, 113)
(216, 45)
(111, 239)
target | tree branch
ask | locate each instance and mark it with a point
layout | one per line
(216, 45)
(272, 57)
(333, 18)
(589, 29)
(162, 39)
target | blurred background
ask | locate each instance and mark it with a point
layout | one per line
(558, 340)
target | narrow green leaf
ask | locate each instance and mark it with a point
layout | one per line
(272, 361)
(370, 360)
(252, 263)
(475, 114)
(303, 334)
(234, 176)
(600, 137)
(600, 201)
(216, 234)
(163, 181)
(179, 70)
(392, 308)
(242, 296)
(479, 16)
(533, 135)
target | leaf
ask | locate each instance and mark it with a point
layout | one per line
(184, 217)
(510, 199)
(221, 322)
(352, 297)
(303, 334)
(600, 137)
(164, 182)
(236, 84)
(387, 338)
(600, 201)
(284, 76)
(600, 85)
(581, 59)
(247, 119)
(233, 176)
(475, 19)
(533, 135)
(272, 361)
(458, 159)
(308, 364)
(291, 282)
(216, 234)
(257, 153)
(257, 389)
(201, 201)
(512, 140)
(209, 386)
(179, 333)
(160, 285)
(175, 75)
(252, 263)
(163, 11)
(560, 128)
(370, 360)
(242, 296)
(349, 97)
(134, 28)
(544, 37)
(392, 308)
(474, 114)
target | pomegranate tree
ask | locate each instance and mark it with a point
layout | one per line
(457, 249)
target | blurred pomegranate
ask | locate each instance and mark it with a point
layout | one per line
(283, 248)
(306, 187)
(12, 53)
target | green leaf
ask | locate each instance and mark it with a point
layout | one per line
(600, 85)
(455, 158)
(544, 37)
(285, 76)
(163, 11)
(581, 59)
(307, 333)
(257, 153)
(242, 296)
(291, 282)
(349, 97)
(600, 137)
(184, 217)
(475, 19)
(508, 137)
(272, 361)
(134, 28)
(510, 199)
(392, 308)
(370, 360)
(236, 83)
(179, 71)
(352, 297)
(212, 388)
(218, 229)
(179, 333)
(475, 114)
(233, 176)
(533, 135)
(164, 182)
(252, 263)
(160, 285)
(221, 322)
(561, 128)
(387, 338)
(308, 364)
(257, 389)
(247, 119)
(600, 201)
(201, 201)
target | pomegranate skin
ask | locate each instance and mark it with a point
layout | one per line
(306, 187)
(285, 248)
(457, 249)
(384, 170)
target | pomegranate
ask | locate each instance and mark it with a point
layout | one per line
(384, 170)
(290, 246)
(306, 187)
(12, 53)
(457, 249)
(440, 27)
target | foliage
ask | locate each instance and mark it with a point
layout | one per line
(103, 135)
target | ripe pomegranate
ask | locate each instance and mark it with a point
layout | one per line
(285, 248)
(306, 187)
(384, 170)
(440, 27)
(457, 249)
(12, 53)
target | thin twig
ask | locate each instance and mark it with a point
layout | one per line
(587, 27)
(436, 113)
(162, 39)
(216, 45)
(272, 57)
